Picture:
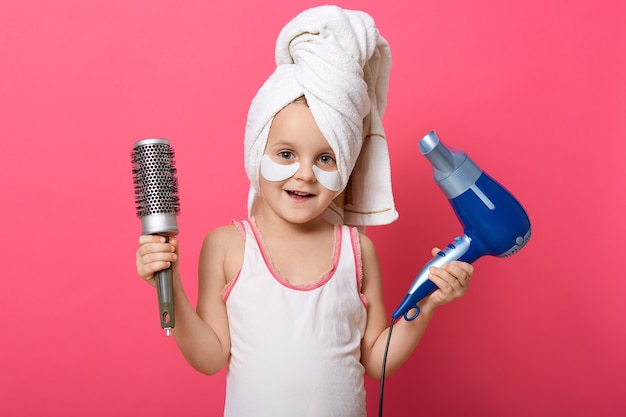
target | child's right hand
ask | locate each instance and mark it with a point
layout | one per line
(155, 254)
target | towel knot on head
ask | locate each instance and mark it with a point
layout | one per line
(340, 63)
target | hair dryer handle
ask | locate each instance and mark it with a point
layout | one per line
(461, 249)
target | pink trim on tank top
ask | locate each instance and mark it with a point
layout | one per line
(326, 276)
(356, 251)
(229, 285)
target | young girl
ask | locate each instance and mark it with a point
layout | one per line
(290, 299)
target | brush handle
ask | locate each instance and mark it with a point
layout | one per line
(165, 294)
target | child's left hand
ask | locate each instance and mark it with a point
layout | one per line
(452, 280)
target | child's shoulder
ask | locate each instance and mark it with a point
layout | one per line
(367, 245)
(232, 230)
(224, 246)
(226, 236)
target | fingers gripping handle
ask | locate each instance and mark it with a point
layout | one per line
(165, 294)
(459, 249)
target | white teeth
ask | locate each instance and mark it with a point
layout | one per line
(300, 193)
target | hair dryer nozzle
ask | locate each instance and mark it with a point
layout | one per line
(453, 171)
(444, 161)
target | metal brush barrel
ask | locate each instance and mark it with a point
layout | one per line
(156, 197)
(156, 186)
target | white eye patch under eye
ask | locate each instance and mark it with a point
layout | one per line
(272, 171)
(329, 179)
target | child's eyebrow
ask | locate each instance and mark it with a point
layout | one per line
(280, 142)
(284, 142)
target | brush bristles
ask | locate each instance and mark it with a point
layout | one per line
(154, 176)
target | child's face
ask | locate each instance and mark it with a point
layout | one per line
(299, 178)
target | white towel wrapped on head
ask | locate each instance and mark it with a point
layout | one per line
(340, 63)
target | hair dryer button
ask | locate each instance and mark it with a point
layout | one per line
(441, 253)
(451, 246)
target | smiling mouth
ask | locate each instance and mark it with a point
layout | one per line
(299, 194)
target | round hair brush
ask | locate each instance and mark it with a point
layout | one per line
(157, 203)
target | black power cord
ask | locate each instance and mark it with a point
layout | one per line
(382, 376)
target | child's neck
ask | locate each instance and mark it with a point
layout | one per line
(269, 222)
(301, 253)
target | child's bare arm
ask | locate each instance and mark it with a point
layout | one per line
(202, 335)
(452, 280)
(204, 340)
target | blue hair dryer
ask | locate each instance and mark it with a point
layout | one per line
(494, 222)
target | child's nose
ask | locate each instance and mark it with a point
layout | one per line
(305, 172)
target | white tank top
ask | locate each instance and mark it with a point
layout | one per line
(295, 351)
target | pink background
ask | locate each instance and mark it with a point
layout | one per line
(534, 91)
